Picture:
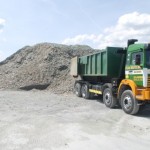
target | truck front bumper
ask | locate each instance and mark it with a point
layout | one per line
(143, 94)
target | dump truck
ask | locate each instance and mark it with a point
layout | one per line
(121, 75)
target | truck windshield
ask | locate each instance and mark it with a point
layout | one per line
(148, 58)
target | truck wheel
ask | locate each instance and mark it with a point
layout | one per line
(129, 103)
(85, 91)
(77, 89)
(108, 98)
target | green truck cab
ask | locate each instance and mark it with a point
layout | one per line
(121, 75)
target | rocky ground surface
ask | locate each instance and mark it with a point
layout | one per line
(42, 66)
(41, 120)
(55, 119)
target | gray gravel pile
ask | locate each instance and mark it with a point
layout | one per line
(43, 66)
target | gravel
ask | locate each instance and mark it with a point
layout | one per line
(41, 120)
(54, 119)
(42, 66)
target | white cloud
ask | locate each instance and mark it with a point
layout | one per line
(131, 25)
(81, 38)
(2, 23)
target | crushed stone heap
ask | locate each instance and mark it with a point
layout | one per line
(43, 66)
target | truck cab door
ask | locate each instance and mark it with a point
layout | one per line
(134, 67)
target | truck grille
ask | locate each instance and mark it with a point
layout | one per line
(148, 82)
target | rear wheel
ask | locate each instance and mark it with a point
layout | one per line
(129, 103)
(85, 91)
(77, 89)
(108, 98)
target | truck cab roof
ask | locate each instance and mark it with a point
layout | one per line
(135, 47)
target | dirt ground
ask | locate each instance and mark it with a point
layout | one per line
(40, 120)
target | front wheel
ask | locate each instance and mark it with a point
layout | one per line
(129, 103)
(108, 98)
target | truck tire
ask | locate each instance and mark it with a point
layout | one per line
(129, 103)
(108, 98)
(85, 91)
(77, 89)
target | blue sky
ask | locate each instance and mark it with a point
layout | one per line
(96, 23)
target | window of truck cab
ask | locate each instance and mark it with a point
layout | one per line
(137, 58)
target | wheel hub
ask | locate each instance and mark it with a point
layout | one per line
(77, 92)
(127, 102)
(108, 98)
(83, 92)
